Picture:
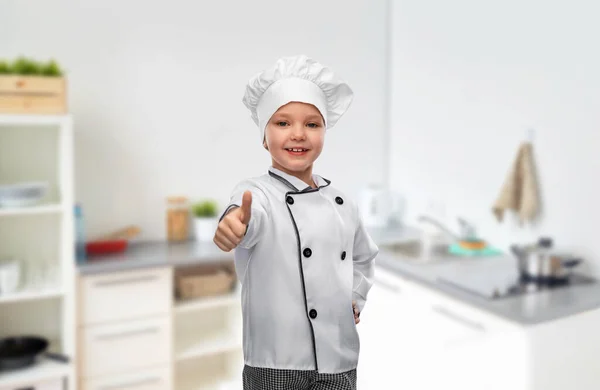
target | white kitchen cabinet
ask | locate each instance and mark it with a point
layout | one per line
(140, 293)
(383, 330)
(134, 334)
(147, 379)
(458, 349)
(414, 338)
(127, 346)
(564, 353)
(125, 326)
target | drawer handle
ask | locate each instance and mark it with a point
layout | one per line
(127, 280)
(136, 383)
(386, 285)
(127, 333)
(457, 318)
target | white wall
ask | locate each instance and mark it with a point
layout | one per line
(156, 89)
(469, 78)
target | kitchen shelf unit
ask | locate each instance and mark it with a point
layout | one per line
(40, 237)
(208, 342)
(153, 339)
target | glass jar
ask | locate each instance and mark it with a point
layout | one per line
(178, 218)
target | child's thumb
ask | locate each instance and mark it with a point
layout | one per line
(246, 207)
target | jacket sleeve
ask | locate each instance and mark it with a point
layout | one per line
(363, 256)
(258, 212)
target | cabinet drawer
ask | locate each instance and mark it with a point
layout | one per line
(158, 378)
(112, 349)
(52, 384)
(125, 295)
(388, 280)
(457, 312)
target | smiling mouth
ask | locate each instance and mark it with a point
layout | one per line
(297, 151)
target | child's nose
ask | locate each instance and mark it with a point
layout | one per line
(298, 132)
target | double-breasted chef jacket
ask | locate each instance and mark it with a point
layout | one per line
(304, 258)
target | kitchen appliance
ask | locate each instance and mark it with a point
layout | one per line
(540, 264)
(22, 351)
(499, 278)
(10, 276)
(380, 207)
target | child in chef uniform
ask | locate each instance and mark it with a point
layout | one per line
(302, 254)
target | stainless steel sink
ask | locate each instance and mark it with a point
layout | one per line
(414, 251)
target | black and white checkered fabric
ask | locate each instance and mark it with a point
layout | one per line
(259, 378)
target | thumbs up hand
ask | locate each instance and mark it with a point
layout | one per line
(232, 228)
(245, 210)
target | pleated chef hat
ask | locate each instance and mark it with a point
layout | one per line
(296, 79)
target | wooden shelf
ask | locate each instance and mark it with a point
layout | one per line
(30, 295)
(44, 370)
(31, 210)
(225, 300)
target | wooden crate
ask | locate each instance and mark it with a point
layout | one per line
(33, 95)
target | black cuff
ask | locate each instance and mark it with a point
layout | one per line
(227, 210)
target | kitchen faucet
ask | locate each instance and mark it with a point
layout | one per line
(467, 230)
(438, 224)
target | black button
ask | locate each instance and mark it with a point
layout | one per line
(343, 255)
(312, 313)
(290, 200)
(307, 252)
(339, 200)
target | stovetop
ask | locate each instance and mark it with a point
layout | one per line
(504, 283)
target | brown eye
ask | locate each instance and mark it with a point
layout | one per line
(281, 123)
(313, 125)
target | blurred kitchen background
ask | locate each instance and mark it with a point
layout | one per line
(116, 159)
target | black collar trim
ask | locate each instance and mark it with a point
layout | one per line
(296, 190)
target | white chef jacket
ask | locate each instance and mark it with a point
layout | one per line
(305, 256)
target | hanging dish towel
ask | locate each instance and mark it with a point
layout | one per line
(519, 192)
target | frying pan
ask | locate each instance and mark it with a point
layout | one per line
(22, 351)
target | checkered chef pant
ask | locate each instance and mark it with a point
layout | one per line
(259, 378)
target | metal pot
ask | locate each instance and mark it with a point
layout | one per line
(538, 263)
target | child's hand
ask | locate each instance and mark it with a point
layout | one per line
(232, 227)
(356, 313)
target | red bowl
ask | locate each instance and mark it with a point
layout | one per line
(104, 247)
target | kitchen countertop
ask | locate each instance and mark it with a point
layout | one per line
(146, 254)
(161, 253)
(526, 309)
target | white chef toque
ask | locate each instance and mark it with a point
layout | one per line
(296, 79)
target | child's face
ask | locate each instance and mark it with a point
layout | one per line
(295, 126)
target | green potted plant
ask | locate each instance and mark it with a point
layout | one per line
(25, 66)
(30, 86)
(205, 219)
